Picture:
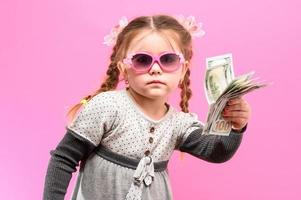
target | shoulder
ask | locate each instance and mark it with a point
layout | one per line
(184, 117)
(104, 102)
(105, 99)
(101, 107)
(106, 96)
(184, 121)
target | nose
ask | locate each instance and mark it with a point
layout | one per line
(155, 69)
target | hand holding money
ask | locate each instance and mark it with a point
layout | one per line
(224, 92)
(237, 111)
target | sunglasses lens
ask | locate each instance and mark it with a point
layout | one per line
(170, 60)
(142, 61)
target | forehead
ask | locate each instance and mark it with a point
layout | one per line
(154, 42)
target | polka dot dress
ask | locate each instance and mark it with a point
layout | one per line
(114, 120)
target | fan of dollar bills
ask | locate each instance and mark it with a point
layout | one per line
(220, 87)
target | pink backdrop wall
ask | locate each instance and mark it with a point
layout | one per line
(51, 55)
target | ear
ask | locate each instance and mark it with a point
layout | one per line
(122, 69)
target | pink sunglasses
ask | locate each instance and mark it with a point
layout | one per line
(142, 62)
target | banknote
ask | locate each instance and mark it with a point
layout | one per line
(219, 73)
(220, 87)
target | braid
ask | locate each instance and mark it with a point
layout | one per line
(110, 83)
(112, 79)
(186, 92)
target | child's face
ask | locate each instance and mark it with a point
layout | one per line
(153, 43)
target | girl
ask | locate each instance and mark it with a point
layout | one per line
(124, 138)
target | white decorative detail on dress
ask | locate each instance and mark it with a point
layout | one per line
(144, 173)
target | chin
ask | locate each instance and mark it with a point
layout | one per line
(156, 92)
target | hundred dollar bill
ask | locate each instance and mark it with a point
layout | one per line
(220, 92)
(219, 74)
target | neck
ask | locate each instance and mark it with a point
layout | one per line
(148, 104)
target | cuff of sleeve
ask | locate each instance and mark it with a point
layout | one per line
(241, 130)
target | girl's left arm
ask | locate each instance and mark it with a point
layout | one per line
(212, 148)
(218, 148)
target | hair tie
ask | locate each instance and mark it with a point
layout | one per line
(84, 102)
(110, 39)
(190, 24)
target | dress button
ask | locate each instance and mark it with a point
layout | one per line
(147, 152)
(152, 129)
(151, 140)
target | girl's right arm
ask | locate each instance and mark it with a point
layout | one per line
(83, 135)
(63, 162)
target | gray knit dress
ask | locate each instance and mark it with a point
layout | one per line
(128, 151)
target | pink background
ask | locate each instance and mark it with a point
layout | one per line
(51, 55)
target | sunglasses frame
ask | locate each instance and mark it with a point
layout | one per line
(155, 58)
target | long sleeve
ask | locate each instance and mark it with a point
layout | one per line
(212, 148)
(63, 162)
(84, 133)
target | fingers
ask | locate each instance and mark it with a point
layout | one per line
(237, 120)
(235, 107)
(234, 101)
(237, 111)
(237, 104)
(235, 114)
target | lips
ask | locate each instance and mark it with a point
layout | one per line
(155, 81)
